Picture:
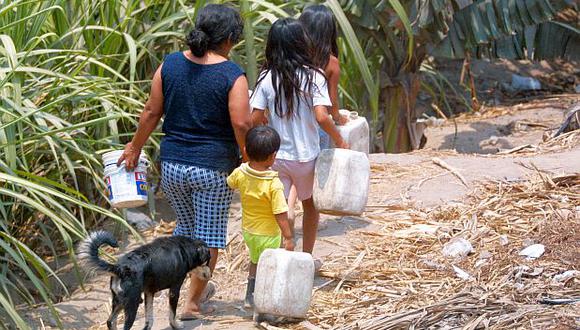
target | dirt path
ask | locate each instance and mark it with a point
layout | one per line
(397, 181)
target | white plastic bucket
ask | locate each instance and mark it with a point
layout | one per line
(126, 189)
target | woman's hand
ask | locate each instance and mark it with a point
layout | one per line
(130, 156)
(259, 117)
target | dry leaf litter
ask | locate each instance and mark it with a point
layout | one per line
(399, 277)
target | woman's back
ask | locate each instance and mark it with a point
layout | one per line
(197, 120)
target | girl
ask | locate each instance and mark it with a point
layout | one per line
(320, 24)
(295, 92)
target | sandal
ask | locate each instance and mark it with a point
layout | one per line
(207, 293)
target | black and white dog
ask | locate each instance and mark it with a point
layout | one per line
(161, 264)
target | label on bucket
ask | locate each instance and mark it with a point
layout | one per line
(109, 188)
(140, 180)
(122, 185)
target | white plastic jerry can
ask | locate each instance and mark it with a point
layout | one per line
(284, 281)
(341, 182)
(356, 132)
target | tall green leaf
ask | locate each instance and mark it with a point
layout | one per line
(358, 55)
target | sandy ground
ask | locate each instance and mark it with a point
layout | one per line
(416, 181)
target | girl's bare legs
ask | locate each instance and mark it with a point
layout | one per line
(292, 198)
(309, 225)
(196, 287)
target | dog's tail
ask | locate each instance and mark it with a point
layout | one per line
(88, 251)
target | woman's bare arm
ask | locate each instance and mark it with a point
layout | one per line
(240, 115)
(148, 121)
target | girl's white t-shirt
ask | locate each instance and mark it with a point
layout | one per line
(299, 133)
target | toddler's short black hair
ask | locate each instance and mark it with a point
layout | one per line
(261, 142)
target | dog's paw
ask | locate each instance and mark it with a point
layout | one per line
(176, 324)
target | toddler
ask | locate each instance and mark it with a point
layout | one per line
(264, 208)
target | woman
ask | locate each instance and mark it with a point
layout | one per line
(204, 98)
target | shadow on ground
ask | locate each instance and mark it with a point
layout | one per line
(474, 141)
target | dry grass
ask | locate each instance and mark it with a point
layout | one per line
(398, 278)
(563, 142)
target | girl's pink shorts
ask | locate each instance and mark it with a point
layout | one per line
(299, 174)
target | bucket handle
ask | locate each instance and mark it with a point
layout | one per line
(119, 168)
(144, 160)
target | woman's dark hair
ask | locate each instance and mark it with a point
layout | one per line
(320, 24)
(289, 53)
(261, 142)
(215, 24)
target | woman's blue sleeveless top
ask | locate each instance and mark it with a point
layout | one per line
(197, 123)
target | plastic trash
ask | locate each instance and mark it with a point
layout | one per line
(485, 254)
(457, 248)
(521, 83)
(565, 276)
(533, 251)
(462, 274)
(417, 230)
(480, 263)
(503, 240)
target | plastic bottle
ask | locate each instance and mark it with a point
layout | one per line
(341, 182)
(355, 132)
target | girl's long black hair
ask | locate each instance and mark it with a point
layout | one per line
(320, 24)
(289, 53)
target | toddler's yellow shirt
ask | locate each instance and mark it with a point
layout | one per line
(262, 195)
